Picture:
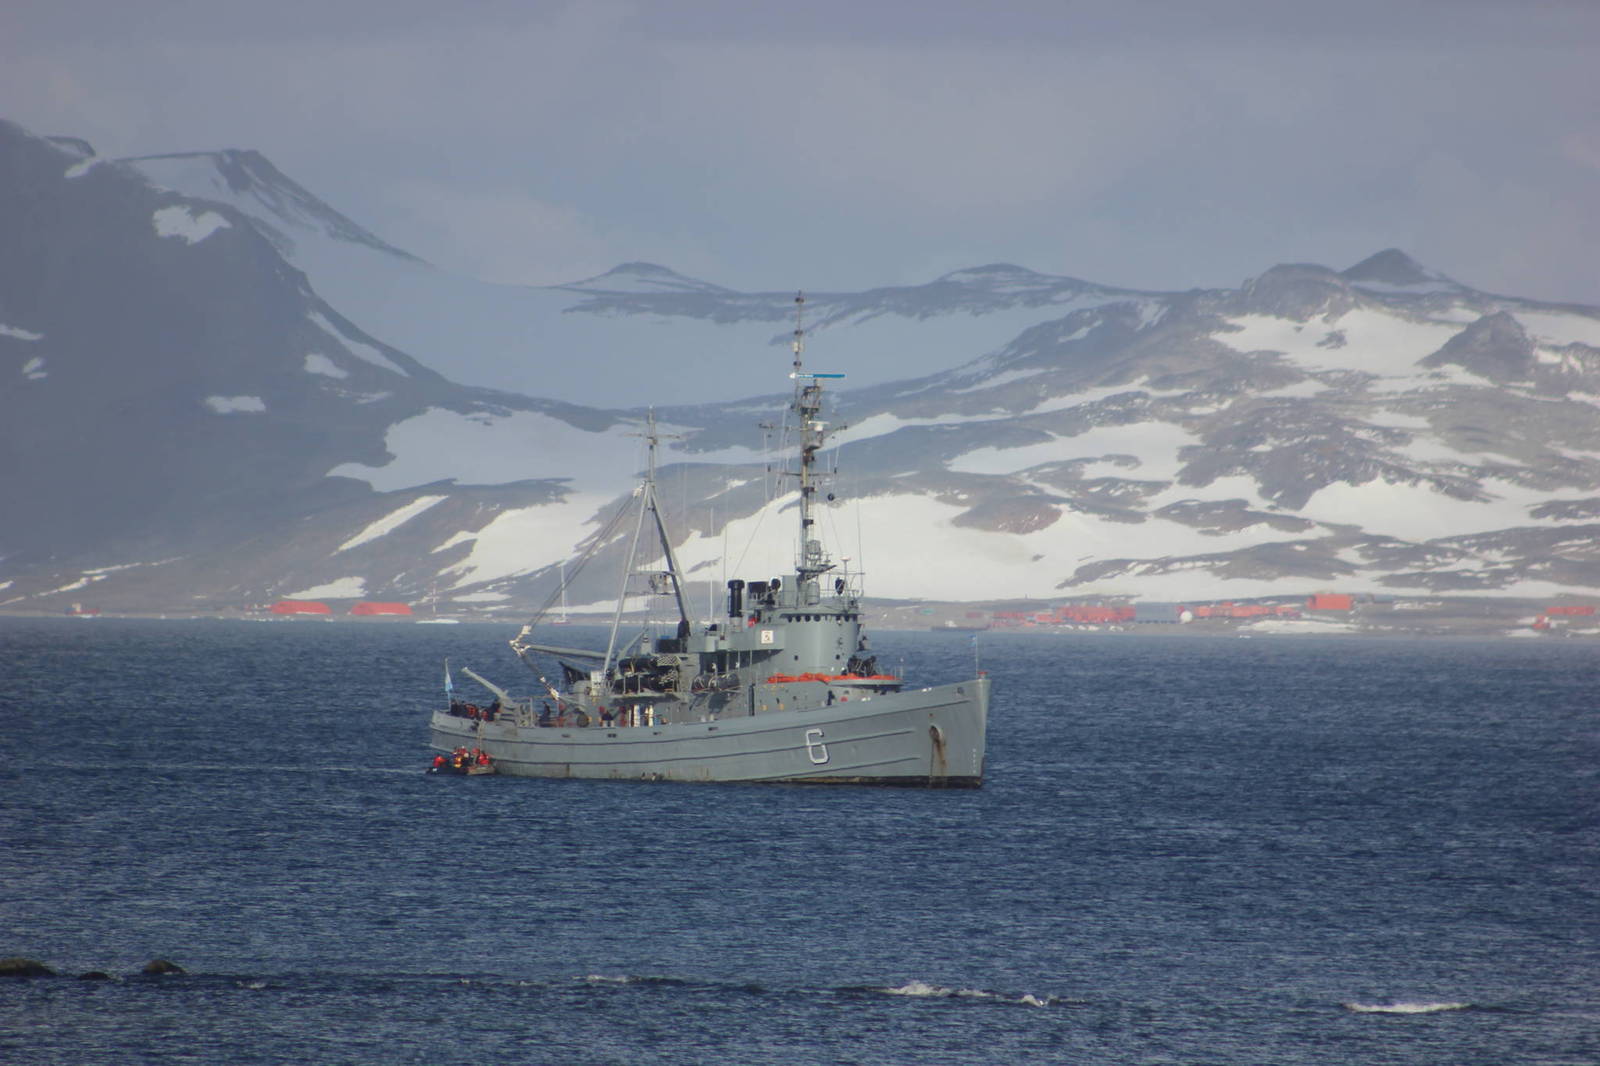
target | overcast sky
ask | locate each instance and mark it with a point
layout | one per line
(846, 144)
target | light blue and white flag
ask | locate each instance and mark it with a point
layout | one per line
(448, 687)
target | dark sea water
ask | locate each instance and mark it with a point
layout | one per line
(1267, 851)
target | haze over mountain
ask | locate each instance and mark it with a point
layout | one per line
(625, 337)
(222, 391)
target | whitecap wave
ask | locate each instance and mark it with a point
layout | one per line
(1427, 1007)
(923, 990)
(919, 988)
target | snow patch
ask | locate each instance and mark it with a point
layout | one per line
(1374, 342)
(1557, 328)
(391, 521)
(98, 571)
(1151, 312)
(1415, 288)
(183, 223)
(1004, 378)
(869, 532)
(1154, 444)
(1301, 626)
(345, 588)
(227, 405)
(360, 349)
(1399, 420)
(880, 425)
(479, 449)
(1433, 380)
(1098, 394)
(1300, 390)
(1416, 512)
(1218, 490)
(317, 363)
(524, 540)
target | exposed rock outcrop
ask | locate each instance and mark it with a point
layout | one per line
(20, 967)
(161, 966)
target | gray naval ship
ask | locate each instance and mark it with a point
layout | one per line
(781, 688)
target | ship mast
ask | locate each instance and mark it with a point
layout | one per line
(648, 504)
(807, 404)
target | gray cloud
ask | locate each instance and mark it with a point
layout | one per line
(830, 145)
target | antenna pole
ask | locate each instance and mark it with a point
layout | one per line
(807, 405)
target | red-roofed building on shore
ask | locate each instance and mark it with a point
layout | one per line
(369, 607)
(300, 607)
(1330, 601)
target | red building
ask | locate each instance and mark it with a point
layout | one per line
(300, 607)
(372, 607)
(1330, 601)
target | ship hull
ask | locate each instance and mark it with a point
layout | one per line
(928, 738)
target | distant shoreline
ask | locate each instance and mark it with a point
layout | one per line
(1400, 617)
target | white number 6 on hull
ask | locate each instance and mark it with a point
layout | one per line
(815, 747)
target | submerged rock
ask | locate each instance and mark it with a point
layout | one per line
(162, 966)
(20, 967)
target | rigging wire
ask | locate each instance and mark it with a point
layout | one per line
(831, 508)
(596, 542)
(861, 551)
(769, 480)
(761, 517)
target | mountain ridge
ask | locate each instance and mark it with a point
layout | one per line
(1382, 427)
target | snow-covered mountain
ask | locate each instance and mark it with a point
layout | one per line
(627, 337)
(220, 393)
(175, 393)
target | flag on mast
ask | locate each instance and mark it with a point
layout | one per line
(449, 689)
